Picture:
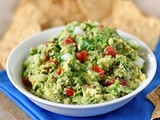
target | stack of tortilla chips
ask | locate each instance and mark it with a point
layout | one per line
(33, 16)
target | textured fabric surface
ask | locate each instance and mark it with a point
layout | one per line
(139, 108)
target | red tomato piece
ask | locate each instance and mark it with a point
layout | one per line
(26, 82)
(59, 71)
(110, 81)
(81, 56)
(123, 82)
(69, 92)
(110, 51)
(47, 57)
(98, 70)
(84, 53)
(68, 40)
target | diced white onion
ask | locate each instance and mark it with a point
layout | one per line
(139, 62)
(91, 91)
(66, 56)
(78, 31)
(96, 23)
(35, 58)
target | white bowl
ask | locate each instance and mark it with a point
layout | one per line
(14, 71)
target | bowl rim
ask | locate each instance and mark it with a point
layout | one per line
(72, 106)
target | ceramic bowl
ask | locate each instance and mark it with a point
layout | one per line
(14, 71)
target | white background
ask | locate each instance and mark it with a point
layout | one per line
(7, 8)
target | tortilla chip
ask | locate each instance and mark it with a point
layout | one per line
(58, 12)
(96, 9)
(132, 20)
(156, 112)
(25, 23)
(1, 67)
(52, 12)
(33, 16)
(72, 11)
(154, 96)
(58, 21)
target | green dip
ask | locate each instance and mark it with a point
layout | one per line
(85, 64)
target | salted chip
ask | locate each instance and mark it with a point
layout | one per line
(154, 96)
(26, 22)
(72, 11)
(156, 112)
(1, 67)
(52, 12)
(127, 17)
(96, 9)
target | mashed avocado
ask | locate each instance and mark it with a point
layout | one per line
(85, 64)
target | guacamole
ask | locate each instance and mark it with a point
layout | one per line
(86, 63)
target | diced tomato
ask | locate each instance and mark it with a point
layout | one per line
(81, 56)
(123, 82)
(59, 71)
(84, 53)
(68, 40)
(111, 81)
(26, 82)
(47, 57)
(98, 70)
(53, 60)
(69, 92)
(110, 51)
